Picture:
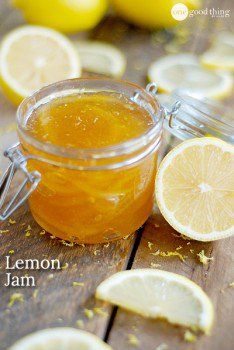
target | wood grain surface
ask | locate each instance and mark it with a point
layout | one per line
(55, 301)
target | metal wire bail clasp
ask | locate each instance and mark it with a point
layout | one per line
(18, 162)
(169, 114)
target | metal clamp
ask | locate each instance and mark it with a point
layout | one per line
(18, 162)
(169, 114)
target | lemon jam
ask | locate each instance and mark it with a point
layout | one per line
(97, 161)
(89, 121)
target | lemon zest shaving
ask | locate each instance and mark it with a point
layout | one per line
(152, 264)
(203, 258)
(65, 266)
(35, 293)
(170, 254)
(150, 245)
(88, 313)
(80, 323)
(16, 297)
(4, 231)
(11, 251)
(67, 244)
(190, 337)
(156, 253)
(100, 311)
(132, 340)
(81, 284)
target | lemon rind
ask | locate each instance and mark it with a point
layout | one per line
(206, 318)
(9, 82)
(62, 333)
(186, 231)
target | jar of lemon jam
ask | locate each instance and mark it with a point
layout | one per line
(88, 149)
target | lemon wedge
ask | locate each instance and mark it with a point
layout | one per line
(100, 57)
(195, 188)
(33, 56)
(68, 16)
(159, 294)
(60, 339)
(221, 53)
(184, 71)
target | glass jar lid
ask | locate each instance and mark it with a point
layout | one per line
(198, 118)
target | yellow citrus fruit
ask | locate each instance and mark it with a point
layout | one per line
(61, 338)
(67, 16)
(184, 71)
(159, 294)
(150, 13)
(195, 188)
(33, 56)
(102, 58)
(221, 54)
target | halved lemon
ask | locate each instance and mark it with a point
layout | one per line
(221, 53)
(184, 71)
(31, 57)
(195, 188)
(60, 339)
(100, 57)
(159, 294)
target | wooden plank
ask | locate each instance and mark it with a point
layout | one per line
(58, 302)
(214, 278)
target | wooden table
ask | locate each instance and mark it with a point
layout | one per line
(55, 301)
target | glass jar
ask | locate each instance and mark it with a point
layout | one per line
(103, 194)
(88, 195)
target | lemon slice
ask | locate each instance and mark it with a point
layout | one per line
(184, 71)
(221, 54)
(195, 188)
(99, 57)
(33, 56)
(60, 339)
(159, 294)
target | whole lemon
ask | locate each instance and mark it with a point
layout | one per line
(68, 16)
(151, 14)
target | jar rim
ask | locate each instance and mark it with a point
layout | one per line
(110, 151)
